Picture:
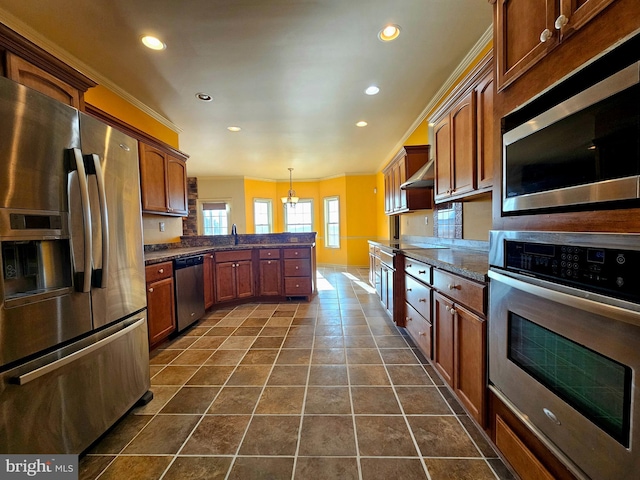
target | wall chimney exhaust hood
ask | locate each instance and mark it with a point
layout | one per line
(423, 178)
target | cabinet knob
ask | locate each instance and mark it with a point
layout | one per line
(546, 35)
(453, 286)
(423, 300)
(297, 267)
(297, 285)
(295, 253)
(409, 319)
(161, 270)
(269, 262)
(408, 289)
(561, 21)
(452, 311)
(151, 290)
(422, 334)
(447, 307)
(421, 272)
(210, 256)
(409, 265)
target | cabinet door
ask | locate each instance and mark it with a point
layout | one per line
(225, 281)
(153, 179)
(525, 32)
(177, 186)
(463, 145)
(388, 192)
(443, 174)
(578, 13)
(400, 176)
(484, 129)
(208, 280)
(160, 310)
(443, 337)
(34, 77)
(270, 278)
(244, 279)
(470, 384)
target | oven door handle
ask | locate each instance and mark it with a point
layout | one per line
(545, 290)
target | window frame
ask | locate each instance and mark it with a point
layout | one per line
(302, 201)
(269, 203)
(201, 215)
(328, 223)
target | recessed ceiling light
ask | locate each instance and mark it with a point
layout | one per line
(205, 97)
(361, 124)
(153, 43)
(389, 32)
(372, 90)
(234, 129)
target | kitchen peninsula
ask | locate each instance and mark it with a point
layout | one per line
(236, 269)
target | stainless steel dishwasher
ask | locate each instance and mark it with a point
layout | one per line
(189, 277)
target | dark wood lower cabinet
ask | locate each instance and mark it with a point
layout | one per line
(270, 278)
(208, 270)
(161, 318)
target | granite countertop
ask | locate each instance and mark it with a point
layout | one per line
(468, 262)
(167, 255)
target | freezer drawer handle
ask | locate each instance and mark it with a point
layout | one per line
(39, 372)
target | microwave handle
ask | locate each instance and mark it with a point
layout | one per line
(547, 291)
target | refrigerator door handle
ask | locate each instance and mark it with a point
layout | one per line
(78, 164)
(39, 372)
(96, 169)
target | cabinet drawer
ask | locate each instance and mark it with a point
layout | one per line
(418, 296)
(419, 329)
(233, 255)
(269, 253)
(417, 269)
(296, 252)
(297, 286)
(297, 268)
(467, 292)
(158, 271)
(387, 258)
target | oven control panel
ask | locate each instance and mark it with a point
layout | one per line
(603, 270)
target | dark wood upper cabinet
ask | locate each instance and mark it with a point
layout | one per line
(406, 162)
(526, 31)
(163, 181)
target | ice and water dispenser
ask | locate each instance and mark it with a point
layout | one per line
(35, 259)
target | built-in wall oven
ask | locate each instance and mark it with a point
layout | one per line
(564, 351)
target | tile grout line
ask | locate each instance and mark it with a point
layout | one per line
(253, 413)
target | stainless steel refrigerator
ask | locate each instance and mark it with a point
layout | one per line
(73, 333)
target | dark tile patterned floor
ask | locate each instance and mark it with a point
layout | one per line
(329, 389)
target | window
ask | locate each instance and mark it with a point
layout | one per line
(262, 216)
(332, 222)
(299, 217)
(215, 218)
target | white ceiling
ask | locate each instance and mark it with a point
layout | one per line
(291, 73)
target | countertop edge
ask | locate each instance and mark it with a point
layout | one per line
(472, 274)
(152, 258)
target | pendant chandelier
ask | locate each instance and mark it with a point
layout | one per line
(291, 198)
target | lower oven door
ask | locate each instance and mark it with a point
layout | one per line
(566, 365)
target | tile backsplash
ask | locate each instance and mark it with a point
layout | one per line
(447, 220)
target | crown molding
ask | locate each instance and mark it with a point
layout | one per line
(471, 56)
(38, 39)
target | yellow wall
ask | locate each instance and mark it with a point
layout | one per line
(361, 217)
(113, 104)
(260, 189)
(420, 136)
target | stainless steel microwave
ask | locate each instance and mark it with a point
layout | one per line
(580, 151)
